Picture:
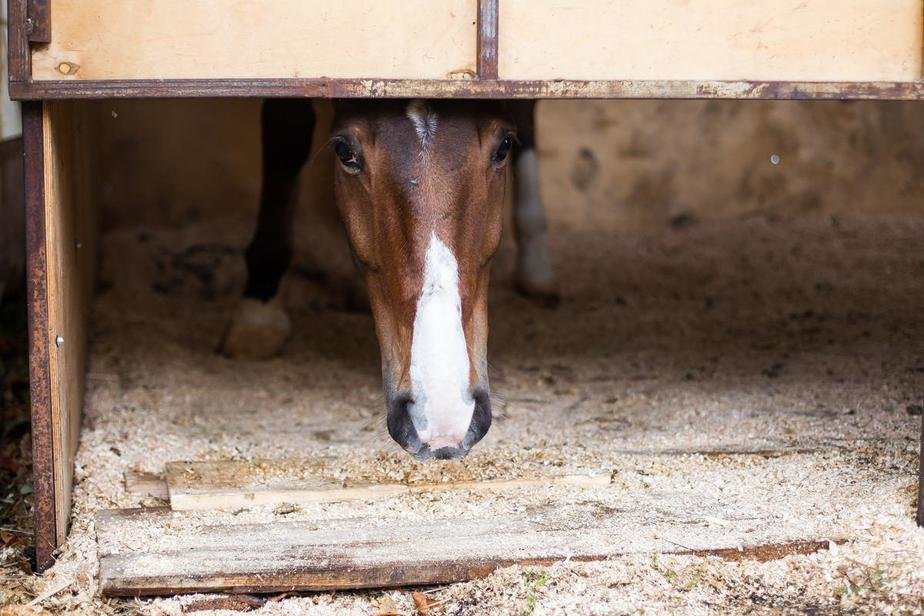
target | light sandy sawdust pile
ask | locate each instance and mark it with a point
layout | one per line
(773, 367)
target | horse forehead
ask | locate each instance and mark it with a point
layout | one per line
(425, 129)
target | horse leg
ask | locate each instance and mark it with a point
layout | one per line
(534, 276)
(260, 325)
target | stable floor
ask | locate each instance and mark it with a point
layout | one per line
(755, 381)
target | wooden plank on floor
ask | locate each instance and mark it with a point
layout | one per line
(146, 484)
(159, 551)
(229, 485)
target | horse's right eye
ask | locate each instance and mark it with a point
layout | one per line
(500, 155)
(348, 157)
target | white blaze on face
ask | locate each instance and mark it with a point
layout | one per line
(443, 407)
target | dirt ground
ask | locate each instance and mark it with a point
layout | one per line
(770, 369)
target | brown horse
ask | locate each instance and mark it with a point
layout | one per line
(420, 186)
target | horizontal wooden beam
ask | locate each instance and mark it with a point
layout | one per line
(465, 88)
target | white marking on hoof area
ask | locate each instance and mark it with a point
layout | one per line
(424, 120)
(443, 407)
(257, 330)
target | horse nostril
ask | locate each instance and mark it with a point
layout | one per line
(400, 426)
(481, 419)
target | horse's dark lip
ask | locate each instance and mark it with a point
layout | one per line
(426, 454)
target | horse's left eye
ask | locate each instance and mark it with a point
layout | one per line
(503, 150)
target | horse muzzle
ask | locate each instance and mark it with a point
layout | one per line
(426, 444)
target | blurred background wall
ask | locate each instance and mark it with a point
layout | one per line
(642, 163)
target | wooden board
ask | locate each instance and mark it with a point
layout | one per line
(179, 39)
(157, 551)
(146, 484)
(70, 227)
(765, 40)
(61, 229)
(229, 485)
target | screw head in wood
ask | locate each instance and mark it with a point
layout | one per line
(775, 159)
(59, 341)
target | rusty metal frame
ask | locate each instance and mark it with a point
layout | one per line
(43, 458)
(464, 88)
(20, 58)
(38, 21)
(487, 39)
(485, 84)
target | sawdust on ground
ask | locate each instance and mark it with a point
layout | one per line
(772, 366)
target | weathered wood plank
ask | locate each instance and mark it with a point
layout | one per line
(178, 552)
(70, 234)
(60, 233)
(230, 485)
(146, 484)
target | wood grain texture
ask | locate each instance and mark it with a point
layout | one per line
(178, 553)
(232, 485)
(765, 40)
(146, 484)
(171, 39)
(70, 233)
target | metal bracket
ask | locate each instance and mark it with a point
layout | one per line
(38, 21)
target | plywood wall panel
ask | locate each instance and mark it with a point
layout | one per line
(761, 40)
(70, 238)
(183, 39)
